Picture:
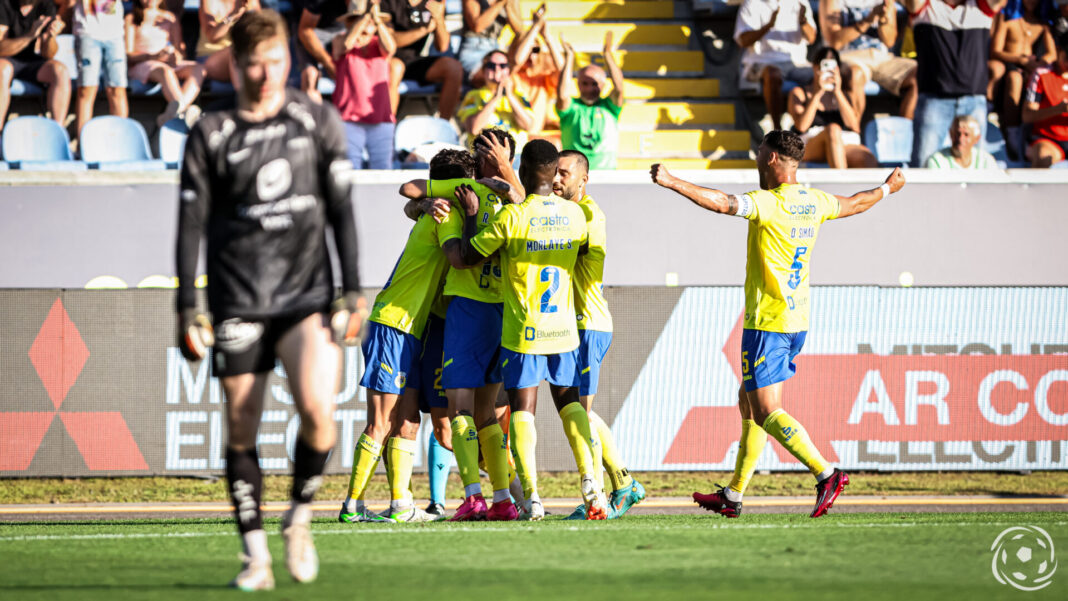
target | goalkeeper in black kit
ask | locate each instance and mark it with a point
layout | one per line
(261, 180)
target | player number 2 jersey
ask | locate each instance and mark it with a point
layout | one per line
(782, 234)
(591, 308)
(539, 241)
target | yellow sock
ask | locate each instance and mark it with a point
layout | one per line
(577, 432)
(495, 453)
(364, 462)
(750, 446)
(465, 447)
(401, 457)
(610, 457)
(524, 440)
(792, 435)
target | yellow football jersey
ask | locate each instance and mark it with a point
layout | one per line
(539, 241)
(591, 308)
(405, 301)
(782, 233)
(482, 282)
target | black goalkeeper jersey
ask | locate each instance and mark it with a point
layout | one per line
(263, 194)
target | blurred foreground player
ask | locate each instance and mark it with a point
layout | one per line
(262, 180)
(784, 219)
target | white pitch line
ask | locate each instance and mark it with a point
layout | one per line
(453, 529)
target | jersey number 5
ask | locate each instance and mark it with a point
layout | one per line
(551, 275)
(795, 277)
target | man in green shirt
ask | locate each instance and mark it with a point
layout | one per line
(589, 123)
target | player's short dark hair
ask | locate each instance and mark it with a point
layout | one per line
(254, 27)
(453, 163)
(540, 154)
(786, 143)
(579, 157)
(503, 137)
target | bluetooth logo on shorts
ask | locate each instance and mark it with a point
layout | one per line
(1024, 558)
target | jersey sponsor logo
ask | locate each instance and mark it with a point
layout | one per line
(274, 179)
(259, 134)
(809, 209)
(300, 113)
(237, 336)
(298, 143)
(238, 155)
(218, 137)
(531, 334)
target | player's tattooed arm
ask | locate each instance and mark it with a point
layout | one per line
(706, 198)
(862, 201)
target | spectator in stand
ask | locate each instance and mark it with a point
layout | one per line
(28, 30)
(483, 22)
(100, 46)
(1046, 109)
(952, 47)
(1060, 19)
(362, 56)
(155, 52)
(826, 118)
(412, 22)
(962, 153)
(319, 25)
(775, 36)
(497, 104)
(864, 31)
(537, 60)
(589, 123)
(1021, 44)
(213, 46)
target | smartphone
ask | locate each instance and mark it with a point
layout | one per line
(828, 65)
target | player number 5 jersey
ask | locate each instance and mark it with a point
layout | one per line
(539, 241)
(782, 234)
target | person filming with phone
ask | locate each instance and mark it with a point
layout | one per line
(827, 119)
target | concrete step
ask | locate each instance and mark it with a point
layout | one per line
(585, 10)
(657, 115)
(590, 36)
(653, 64)
(669, 88)
(676, 142)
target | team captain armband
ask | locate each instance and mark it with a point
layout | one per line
(745, 204)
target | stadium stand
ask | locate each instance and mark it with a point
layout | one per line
(117, 144)
(171, 142)
(890, 139)
(38, 144)
(415, 131)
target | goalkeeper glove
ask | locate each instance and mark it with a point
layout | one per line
(347, 315)
(195, 335)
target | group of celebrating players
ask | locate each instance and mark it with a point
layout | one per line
(504, 289)
(499, 283)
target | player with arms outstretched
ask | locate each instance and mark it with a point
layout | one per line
(784, 219)
(262, 180)
(595, 331)
(538, 241)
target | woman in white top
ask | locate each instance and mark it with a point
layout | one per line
(156, 53)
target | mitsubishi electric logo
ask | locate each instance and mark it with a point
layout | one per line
(58, 354)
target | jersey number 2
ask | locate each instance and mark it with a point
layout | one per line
(551, 275)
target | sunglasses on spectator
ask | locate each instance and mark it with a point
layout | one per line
(494, 66)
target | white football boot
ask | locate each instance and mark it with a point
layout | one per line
(301, 559)
(532, 511)
(254, 575)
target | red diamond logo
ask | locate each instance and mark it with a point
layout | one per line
(58, 353)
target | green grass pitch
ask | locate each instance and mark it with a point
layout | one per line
(856, 556)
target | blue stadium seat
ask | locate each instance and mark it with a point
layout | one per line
(1060, 165)
(171, 142)
(454, 7)
(22, 87)
(416, 130)
(890, 140)
(38, 144)
(994, 143)
(117, 144)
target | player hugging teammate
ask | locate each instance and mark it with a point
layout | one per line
(520, 301)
